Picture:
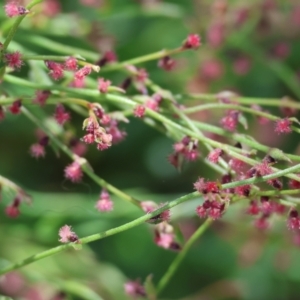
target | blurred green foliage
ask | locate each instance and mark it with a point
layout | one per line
(232, 260)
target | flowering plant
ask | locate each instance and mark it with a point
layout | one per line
(232, 157)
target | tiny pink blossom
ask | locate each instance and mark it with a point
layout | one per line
(56, 69)
(134, 289)
(12, 9)
(103, 85)
(192, 42)
(167, 63)
(14, 60)
(73, 172)
(12, 210)
(164, 240)
(212, 69)
(37, 150)
(104, 203)
(15, 108)
(139, 111)
(61, 115)
(141, 75)
(214, 155)
(78, 83)
(83, 72)
(41, 97)
(71, 64)
(67, 235)
(216, 34)
(283, 126)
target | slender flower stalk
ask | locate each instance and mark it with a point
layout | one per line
(165, 280)
(84, 165)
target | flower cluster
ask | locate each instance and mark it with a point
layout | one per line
(187, 149)
(104, 204)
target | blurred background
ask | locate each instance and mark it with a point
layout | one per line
(249, 47)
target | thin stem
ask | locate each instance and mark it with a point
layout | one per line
(248, 100)
(80, 61)
(141, 59)
(84, 166)
(140, 220)
(230, 150)
(15, 26)
(179, 258)
(98, 236)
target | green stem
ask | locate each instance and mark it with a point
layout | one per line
(15, 26)
(53, 58)
(248, 100)
(85, 167)
(230, 150)
(141, 59)
(141, 220)
(179, 258)
(100, 235)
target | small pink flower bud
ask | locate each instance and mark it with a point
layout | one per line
(230, 121)
(61, 115)
(83, 72)
(108, 57)
(216, 34)
(56, 69)
(283, 126)
(15, 107)
(67, 235)
(139, 111)
(103, 85)
(12, 210)
(13, 60)
(167, 63)
(192, 42)
(141, 75)
(37, 150)
(214, 155)
(253, 208)
(41, 97)
(134, 289)
(104, 204)
(71, 64)
(73, 172)
(12, 9)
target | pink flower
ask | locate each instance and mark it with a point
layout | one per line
(13, 60)
(73, 172)
(214, 155)
(83, 72)
(71, 64)
(212, 69)
(253, 208)
(37, 150)
(283, 126)
(12, 210)
(56, 69)
(51, 8)
(230, 121)
(293, 221)
(41, 97)
(141, 75)
(134, 289)
(103, 85)
(167, 63)
(206, 187)
(108, 57)
(104, 203)
(15, 107)
(61, 115)
(12, 9)
(67, 235)
(192, 42)
(139, 111)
